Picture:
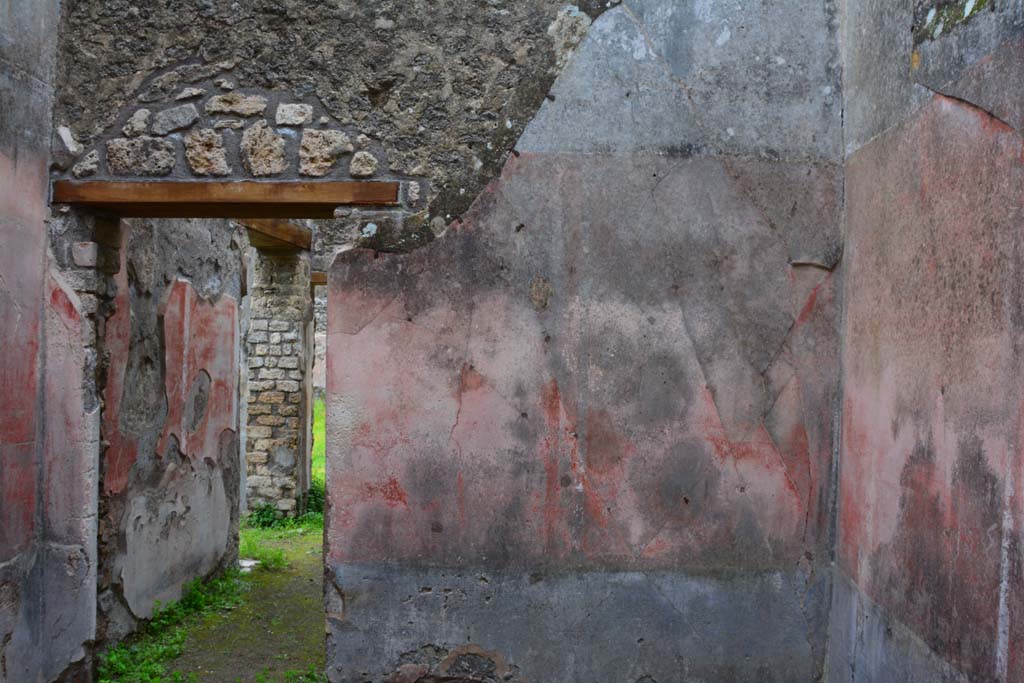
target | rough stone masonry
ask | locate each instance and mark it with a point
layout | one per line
(691, 353)
(279, 358)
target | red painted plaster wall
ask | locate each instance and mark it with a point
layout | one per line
(931, 505)
(47, 434)
(537, 396)
(170, 472)
(590, 428)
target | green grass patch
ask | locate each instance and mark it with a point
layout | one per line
(319, 464)
(317, 487)
(251, 547)
(260, 531)
(143, 657)
(265, 517)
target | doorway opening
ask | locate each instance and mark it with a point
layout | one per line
(211, 464)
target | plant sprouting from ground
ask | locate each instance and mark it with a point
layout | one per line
(142, 658)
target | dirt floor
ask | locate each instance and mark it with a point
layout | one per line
(277, 633)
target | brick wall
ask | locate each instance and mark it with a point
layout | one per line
(276, 440)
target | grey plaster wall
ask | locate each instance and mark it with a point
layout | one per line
(736, 78)
(576, 625)
(895, 60)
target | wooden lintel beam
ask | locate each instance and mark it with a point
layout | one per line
(218, 199)
(270, 233)
(318, 277)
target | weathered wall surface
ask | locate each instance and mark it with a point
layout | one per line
(930, 581)
(441, 90)
(48, 425)
(587, 435)
(277, 450)
(169, 486)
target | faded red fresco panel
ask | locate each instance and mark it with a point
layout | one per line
(71, 443)
(932, 381)
(547, 383)
(199, 337)
(22, 211)
(22, 229)
(18, 492)
(120, 450)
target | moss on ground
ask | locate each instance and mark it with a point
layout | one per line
(277, 633)
(262, 627)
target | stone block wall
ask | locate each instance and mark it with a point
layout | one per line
(442, 91)
(320, 342)
(279, 358)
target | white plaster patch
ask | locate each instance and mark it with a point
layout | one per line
(68, 138)
(723, 37)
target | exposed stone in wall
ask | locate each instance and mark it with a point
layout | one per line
(298, 141)
(205, 153)
(277, 448)
(321, 149)
(440, 90)
(141, 156)
(393, 231)
(320, 342)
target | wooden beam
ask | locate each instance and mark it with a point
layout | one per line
(318, 277)
(274, 234)
(217, 199)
